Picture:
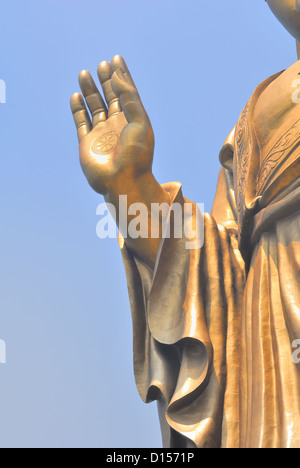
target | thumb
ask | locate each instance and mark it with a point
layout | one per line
(129, 98)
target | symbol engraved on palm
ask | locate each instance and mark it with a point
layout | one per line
(106, 143)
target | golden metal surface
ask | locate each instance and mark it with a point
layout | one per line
(288, 13)
(214, 327)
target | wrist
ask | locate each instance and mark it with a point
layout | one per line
(141, 189)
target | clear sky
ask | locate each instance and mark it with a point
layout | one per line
(65, 315)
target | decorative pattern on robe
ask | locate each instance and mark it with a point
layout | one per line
(213, 338)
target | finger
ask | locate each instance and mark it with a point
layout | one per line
(93, 98)
(130, 101)
(105, 73)
(81, 116)
(119, 62)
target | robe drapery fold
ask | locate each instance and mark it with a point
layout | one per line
(270, 411)
(214, 327)
(186, 333)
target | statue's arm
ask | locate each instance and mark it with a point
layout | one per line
(116, 146)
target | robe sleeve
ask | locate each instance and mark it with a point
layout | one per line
(186, 321)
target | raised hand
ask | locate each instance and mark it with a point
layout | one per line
(116, 141)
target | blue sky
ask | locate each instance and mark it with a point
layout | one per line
(65, 315)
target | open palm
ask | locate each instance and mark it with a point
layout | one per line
(116, 143)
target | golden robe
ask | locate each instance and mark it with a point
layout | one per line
(214, 327)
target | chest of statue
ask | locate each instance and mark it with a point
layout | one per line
(266, 147)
